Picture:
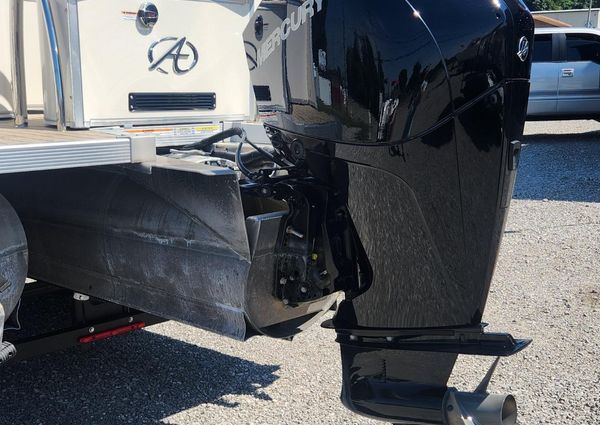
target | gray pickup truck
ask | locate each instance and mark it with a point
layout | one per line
(565, 75)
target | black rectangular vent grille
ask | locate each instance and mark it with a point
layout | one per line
(262, 93)
(172, 101)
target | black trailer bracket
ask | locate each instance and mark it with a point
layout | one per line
(75, 336)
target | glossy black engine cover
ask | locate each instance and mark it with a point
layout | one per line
(410, 109)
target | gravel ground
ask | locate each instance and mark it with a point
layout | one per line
(546, 287)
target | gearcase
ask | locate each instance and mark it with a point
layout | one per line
(395, 132)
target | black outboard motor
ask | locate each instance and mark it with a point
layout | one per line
(411, 113)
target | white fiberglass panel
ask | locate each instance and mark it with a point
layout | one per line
(114, 52)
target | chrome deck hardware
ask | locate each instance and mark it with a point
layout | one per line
(19, 91)
(55, 55)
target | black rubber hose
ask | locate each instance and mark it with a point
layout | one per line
(265, 153)
(239, 161)
(247, 158)
(209, 141)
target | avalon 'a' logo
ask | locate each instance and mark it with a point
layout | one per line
(182, 54)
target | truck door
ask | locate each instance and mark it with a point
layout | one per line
(544, 75)
(579, 78)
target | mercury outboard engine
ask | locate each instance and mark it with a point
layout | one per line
(410, 113)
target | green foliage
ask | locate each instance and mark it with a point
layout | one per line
(560, 4)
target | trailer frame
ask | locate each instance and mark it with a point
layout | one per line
(89, 324)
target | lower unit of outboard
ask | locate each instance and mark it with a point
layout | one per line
(411, 113)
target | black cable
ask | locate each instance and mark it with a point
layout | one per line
(238, 159)
(209, 141)
(247, 158)
(267, 154)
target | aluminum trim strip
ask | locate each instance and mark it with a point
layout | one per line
(59, 155)
(169, 120)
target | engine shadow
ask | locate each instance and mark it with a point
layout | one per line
(561, 167)
(141, 378)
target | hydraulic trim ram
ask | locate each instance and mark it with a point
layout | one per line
(394, 129)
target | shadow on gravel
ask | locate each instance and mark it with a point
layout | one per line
(562, 167)
(142, 378)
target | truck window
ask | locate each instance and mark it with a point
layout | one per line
(542, 48)
(583, 48)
